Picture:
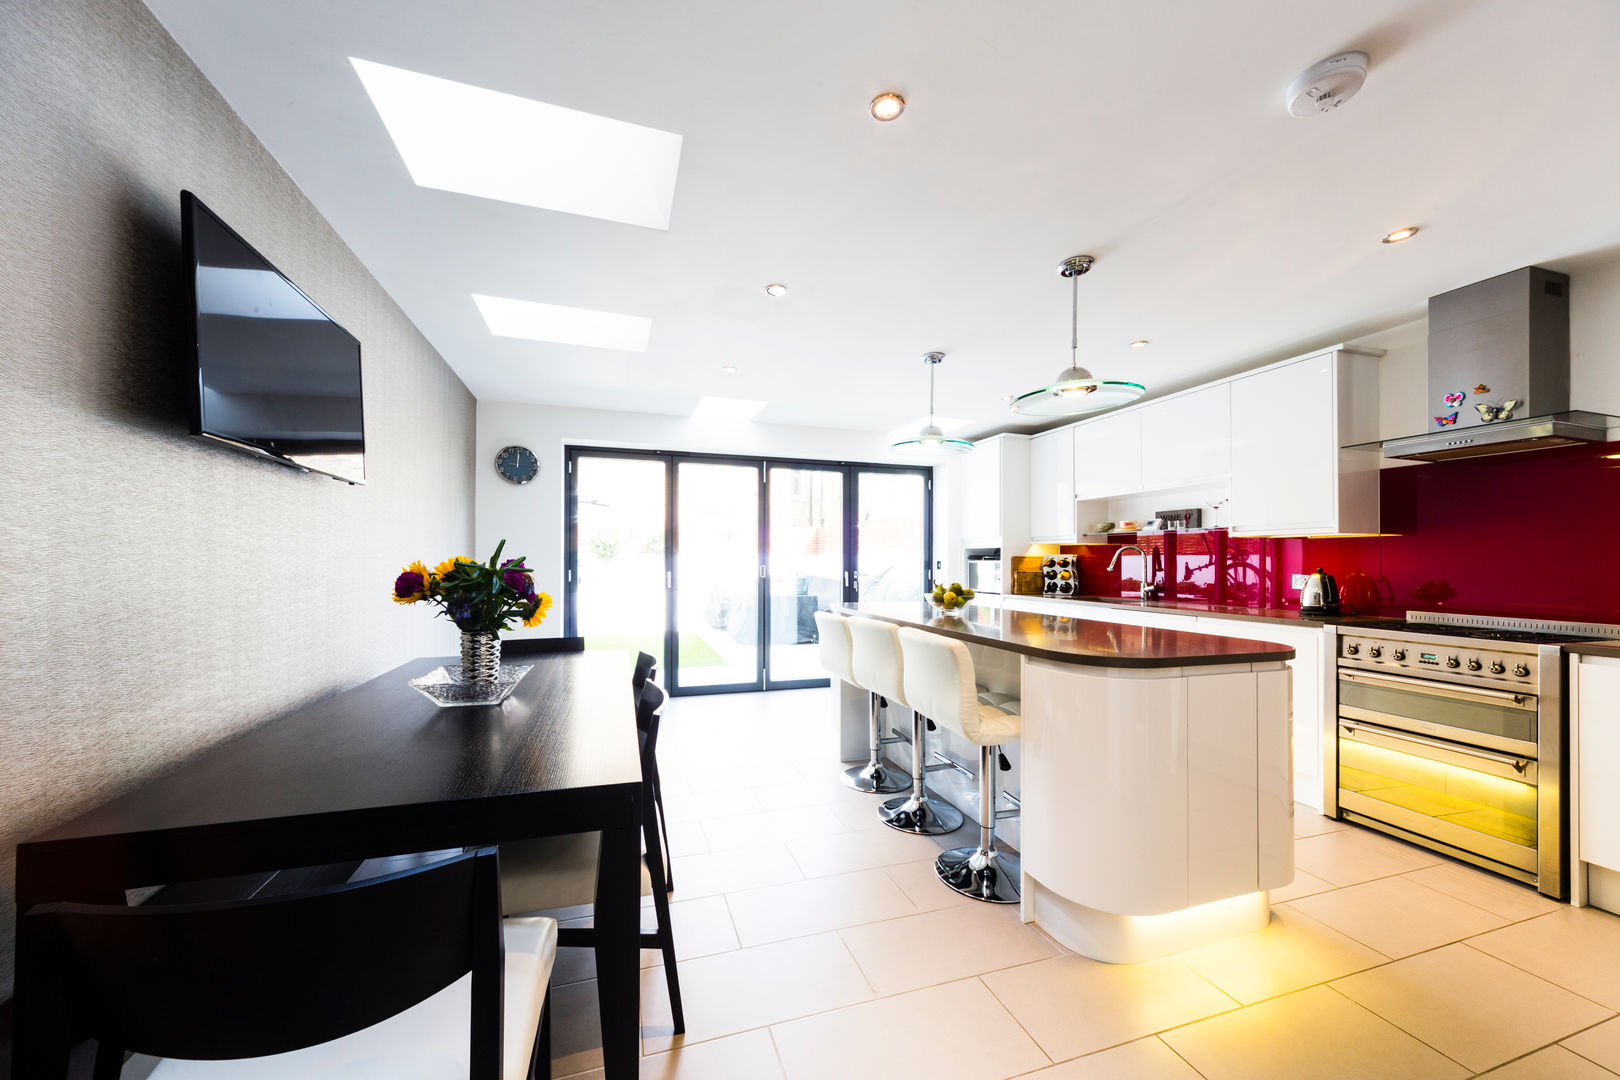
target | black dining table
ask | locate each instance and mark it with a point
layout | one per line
(372, 772)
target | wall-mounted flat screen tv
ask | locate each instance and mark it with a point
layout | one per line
(275, 375)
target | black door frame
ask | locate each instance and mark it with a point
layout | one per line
(670, 661)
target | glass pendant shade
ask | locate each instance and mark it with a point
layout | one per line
(930, 443)
(1076, 390)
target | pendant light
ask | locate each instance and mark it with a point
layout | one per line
(1075, 391)
(931, 442)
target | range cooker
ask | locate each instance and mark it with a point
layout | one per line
(1451, 733)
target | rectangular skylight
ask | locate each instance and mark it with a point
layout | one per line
(534, 321)
(726, 410)
(462, 138)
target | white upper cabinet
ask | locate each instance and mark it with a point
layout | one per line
(995, 493)
(1108, 456)
(1051, 487)
(1289, 423)
(1187, 439)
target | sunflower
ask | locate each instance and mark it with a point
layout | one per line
(412, 584)
(450, 564)
(542, 604)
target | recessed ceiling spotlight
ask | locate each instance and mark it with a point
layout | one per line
(1400, 234)
(1139, 343)
(728, 369)
(776, 288)
(887, 106)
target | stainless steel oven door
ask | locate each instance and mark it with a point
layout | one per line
(1500, 720)
(1475, 801)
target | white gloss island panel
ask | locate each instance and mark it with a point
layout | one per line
(1154, 801)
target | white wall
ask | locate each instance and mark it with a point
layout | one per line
(530, 517)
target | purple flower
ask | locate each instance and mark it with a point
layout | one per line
(460, 611)
(409, 585)
(517, 580)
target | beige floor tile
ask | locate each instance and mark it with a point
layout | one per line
(770, 826)
(814, 906)
(1314, 1034)
(1309, 821)
(690, 802)
(924, 889)
(942, 946)
(1471, 1007)
(686, 838)
(1072, 1005)
(750, 988)
(749, 1056)
(1144, 1059)
(1600, 1044)
(1351, 856)
(576, 1029)
(1303, 885)
(1495, 894)
(701, 927)
(1577, 948)
(1397, 916)
(718, 872)
(958, 1031)
(1293, 952)
(1553, 1063)
(820, 856)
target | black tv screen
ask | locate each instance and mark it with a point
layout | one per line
(275, 375)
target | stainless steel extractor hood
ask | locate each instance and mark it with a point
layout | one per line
(1498, 380)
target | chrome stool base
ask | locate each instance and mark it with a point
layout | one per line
(925, 816)
(876, 779)
(991, 876)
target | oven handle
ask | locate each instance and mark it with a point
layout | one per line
(1433, 689)
(1519, 765)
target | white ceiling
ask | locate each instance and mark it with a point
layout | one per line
(1151, 134)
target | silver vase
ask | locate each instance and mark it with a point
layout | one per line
(480, 657)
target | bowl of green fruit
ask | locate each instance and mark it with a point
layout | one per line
(950, 597)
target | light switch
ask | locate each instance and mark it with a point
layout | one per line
(1300, 581)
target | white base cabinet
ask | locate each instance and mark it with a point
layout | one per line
(1595, 758)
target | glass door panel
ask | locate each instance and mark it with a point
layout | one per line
(891, 544)
(717, 575)
(620, 599)
(806, 531)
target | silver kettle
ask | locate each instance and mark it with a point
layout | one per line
(1320, 596)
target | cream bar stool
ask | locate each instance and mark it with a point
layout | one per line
(940, 682)
(832, 635)
(875, 659)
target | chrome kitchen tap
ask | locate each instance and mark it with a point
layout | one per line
(1149, 590)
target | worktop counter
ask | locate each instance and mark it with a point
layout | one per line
(1087, 642)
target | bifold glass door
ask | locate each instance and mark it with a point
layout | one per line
(755, 547)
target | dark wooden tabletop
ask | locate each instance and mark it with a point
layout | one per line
(1088, 642)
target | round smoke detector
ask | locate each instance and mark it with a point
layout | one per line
(1326, 84)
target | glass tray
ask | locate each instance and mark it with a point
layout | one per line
(443, 686)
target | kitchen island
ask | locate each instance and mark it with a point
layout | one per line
(1154, 772)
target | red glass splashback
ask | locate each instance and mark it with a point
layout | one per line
(1520, 534)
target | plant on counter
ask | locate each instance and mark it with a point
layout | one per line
(480, 598)
(952, 597)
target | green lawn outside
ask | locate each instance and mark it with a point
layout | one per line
(694, 651)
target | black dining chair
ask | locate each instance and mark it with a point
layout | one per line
(511, 648)
(646, 666)
(647, 669)
(412, 973)
(553, 872)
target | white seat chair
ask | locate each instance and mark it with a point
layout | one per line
(941, 683)
(834, 648)
(876, 662)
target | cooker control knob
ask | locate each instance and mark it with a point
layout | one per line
(1521, 670)
(1352, 649)
(1400, 654)
(1375, 652)
(1474, 664)
(1452, 661)
(1497, 667)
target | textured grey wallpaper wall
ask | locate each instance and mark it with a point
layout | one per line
(158, 595)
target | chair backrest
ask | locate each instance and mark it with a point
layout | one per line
(646, 663)
(875, 658)
(540, 646)
(832, 645)
(940, 680)
(248, 978)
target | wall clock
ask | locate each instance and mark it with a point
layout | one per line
(517, 464)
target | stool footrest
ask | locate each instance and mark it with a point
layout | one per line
(946, 763)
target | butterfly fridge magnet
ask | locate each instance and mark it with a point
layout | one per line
(1447, 420)
(1454, 400)
(1504, 411)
